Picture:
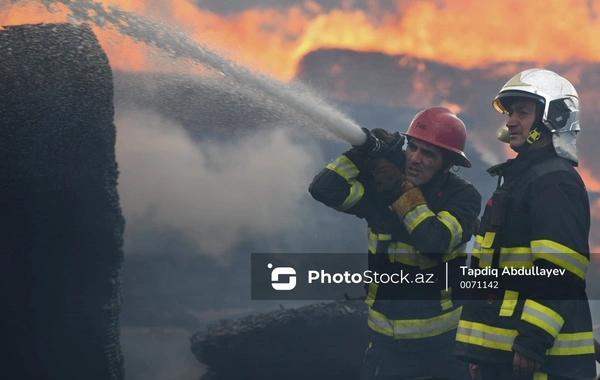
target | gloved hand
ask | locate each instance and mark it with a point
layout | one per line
(389, 179)
(380, 143)
(388, 138)
(395, 141)
(391, 183)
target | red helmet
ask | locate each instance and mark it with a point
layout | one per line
(441, 127)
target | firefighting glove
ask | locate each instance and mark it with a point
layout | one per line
(388, 138)
(395, 142)
(411, 198)
(391, 183)
(389, 180)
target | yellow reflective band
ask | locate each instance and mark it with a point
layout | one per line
(509, 303)
(344, 167)
(415, 216)
(403, 253)
(371, 293)
(356, 193)
(453, 225)
(565, 344)
(488, 239)
(573, 344)
(486, 252)
(460, 251)
(516, 257)
(477, 245)
(540, 376)
(485, 257)
(542, 317)
(414, 328)
(560, 255)
(446, 298)
(381, 325)
(485, 336)
(406, 254)
(371, 241)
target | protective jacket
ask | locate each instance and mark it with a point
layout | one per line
(419, 245)
(538, 218)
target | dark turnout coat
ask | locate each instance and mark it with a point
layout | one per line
(539, 220)
(421, 244)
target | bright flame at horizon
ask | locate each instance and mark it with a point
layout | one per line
(462, 33)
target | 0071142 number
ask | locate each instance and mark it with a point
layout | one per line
(478, 284)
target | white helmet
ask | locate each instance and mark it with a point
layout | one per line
(560, 106)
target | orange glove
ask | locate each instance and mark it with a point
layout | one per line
(411, 198)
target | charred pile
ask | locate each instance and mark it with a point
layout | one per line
(321, 341)
(62, 243)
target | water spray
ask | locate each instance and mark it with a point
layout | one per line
(296, 98)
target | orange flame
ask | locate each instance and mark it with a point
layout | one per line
(464, 33)
(596, 209)
(124, 53)
(591, 183)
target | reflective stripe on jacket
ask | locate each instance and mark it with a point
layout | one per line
(421, 244)
(547, 318)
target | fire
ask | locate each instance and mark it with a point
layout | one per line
(595, 206)
(591, 183)
(124, 54)
(464, 33)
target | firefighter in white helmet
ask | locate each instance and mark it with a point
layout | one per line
(533, 326)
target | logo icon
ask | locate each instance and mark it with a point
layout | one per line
(282, 271)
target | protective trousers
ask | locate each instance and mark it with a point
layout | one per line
(388, 359)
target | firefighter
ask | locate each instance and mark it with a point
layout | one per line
(533, 326)
(419, 218)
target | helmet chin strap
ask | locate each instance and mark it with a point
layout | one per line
(534, 135)
(538, 129)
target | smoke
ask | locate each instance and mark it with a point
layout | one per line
(159, 354)
(490, 150)
(216, 195)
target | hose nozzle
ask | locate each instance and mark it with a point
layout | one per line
(372, 144)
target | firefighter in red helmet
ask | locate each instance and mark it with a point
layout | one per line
(420, 216)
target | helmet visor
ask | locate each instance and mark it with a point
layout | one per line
(505, 99)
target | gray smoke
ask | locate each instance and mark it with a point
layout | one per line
(219, 194)
(289, 101)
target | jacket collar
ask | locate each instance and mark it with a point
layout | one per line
(431, 188)
(523, 161)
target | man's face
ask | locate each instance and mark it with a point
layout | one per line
(423, 161)
(521, 116)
